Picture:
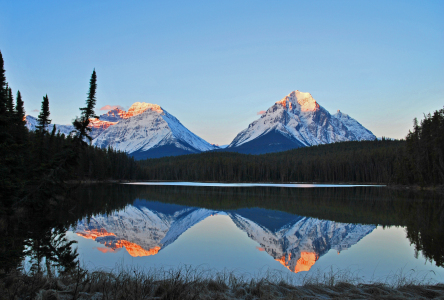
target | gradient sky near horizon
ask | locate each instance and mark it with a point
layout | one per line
(215, 64)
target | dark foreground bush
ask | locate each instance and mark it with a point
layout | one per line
(188, 283)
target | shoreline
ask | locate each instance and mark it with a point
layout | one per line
(189, 284)
(417, 188)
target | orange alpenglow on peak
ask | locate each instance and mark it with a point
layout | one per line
(284, 101)
(304, 263)
(135, 250)
(132, 248)
(140, 107)
(305, 100)
(94, 233)
(97, 123)
(284, 261)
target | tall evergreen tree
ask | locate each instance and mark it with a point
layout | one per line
(43, 118)
(2, 86)
(81, 124)
(20, 109)
(10, 102)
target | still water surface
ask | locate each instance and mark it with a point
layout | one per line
(371, 231)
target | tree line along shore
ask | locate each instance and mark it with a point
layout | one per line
(37, 167)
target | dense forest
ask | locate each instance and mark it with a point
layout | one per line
(366, 161)
(419, 159)
(30, 162)
(37, 170)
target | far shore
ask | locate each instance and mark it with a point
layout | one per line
(438, 188)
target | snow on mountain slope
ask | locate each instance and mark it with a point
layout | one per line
(360, 131)
(97, 126)
(142, 231)
(301, 120)
(150, 127)
(139, 226)
(185, 222)
(31, 124)
(298, 246)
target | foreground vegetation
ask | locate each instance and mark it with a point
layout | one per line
(186, 283)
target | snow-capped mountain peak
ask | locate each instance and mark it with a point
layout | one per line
(113, 115)
(139, 107)
(297, 121)
(304, 101)
(148, 131)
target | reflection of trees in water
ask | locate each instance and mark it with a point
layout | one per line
(425, 230)
(421, 213)
(54, 248)
(36, 235)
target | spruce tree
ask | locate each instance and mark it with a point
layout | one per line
(43, 118)
(81, 124)
(2, 87)
(10, 102)
(19, 109)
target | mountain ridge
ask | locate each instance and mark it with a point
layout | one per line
(297, 121)
(148, 131)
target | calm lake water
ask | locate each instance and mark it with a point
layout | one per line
(370, 231)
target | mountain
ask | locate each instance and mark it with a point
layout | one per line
(141, 230)
(31, 124)
(301, 242)
(297, 242)
(297, 121)
(145, 131)
(148, 131)
(97, 126)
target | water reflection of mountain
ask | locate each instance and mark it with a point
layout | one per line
(295, 241)
(299, 244)
(149, 226)
(421, 213)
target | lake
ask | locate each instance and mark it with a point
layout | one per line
(369, 232)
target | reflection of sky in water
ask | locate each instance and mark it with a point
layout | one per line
(216, 184)
(218, 243)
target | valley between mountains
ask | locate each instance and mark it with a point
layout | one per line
(149, 131)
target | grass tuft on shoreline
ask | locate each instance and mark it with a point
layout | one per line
(196, 283)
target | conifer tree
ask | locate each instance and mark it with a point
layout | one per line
(43, 118)
(2, 87)
(81, 124)
(19, 109)
(10, 102)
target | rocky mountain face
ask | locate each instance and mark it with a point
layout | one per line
(297, 244)
(142, 231)
(148, 131)
(31, 124)
(145, 131)
(297, 121)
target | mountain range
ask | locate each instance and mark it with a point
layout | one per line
(149, 131)
(146, 228)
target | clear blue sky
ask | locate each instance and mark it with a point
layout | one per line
(215, 64)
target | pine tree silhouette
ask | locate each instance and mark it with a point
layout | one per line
(43, 118)
(81, 123)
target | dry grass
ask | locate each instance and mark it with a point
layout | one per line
(197, 283)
